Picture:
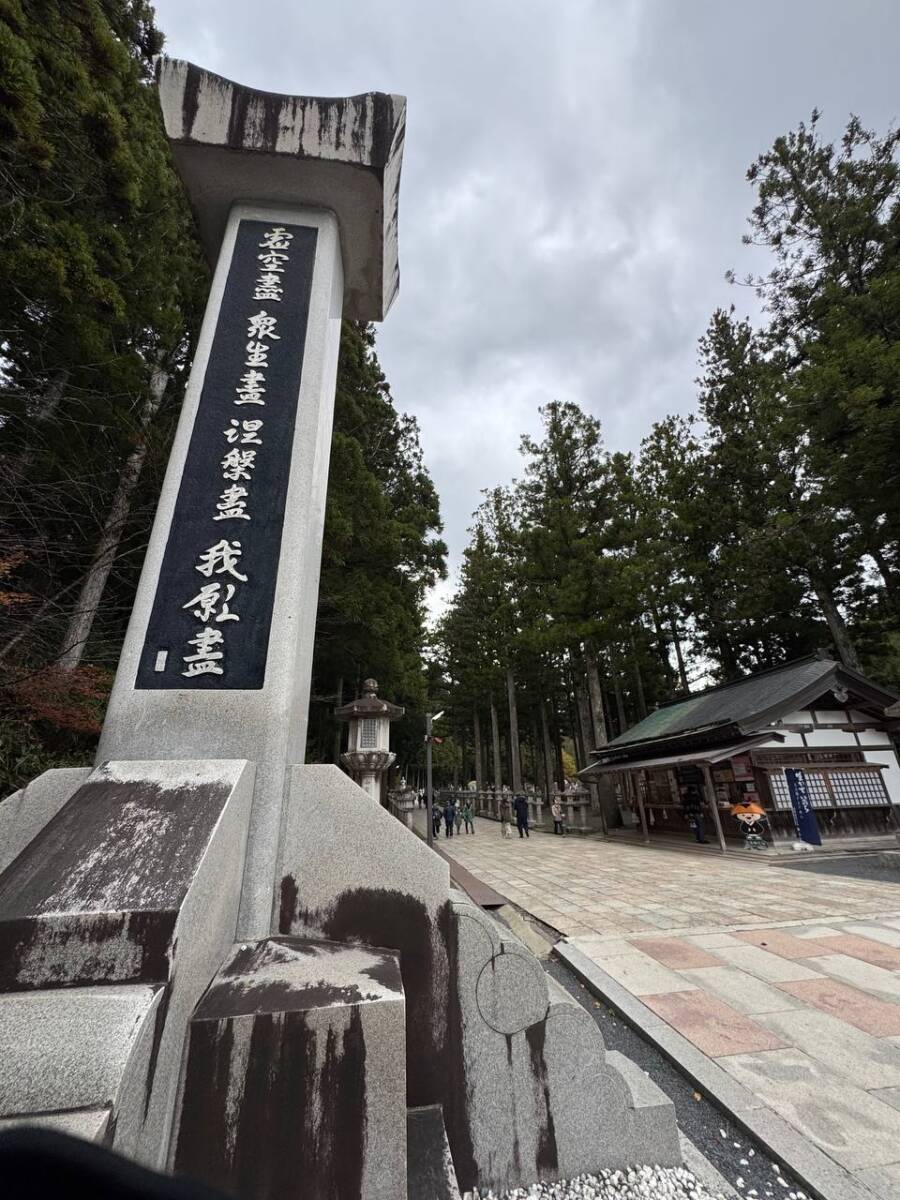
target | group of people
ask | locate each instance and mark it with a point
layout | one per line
(453, 816)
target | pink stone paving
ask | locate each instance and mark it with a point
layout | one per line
(785, 945)
(865, 949)
(673, 952)
(713, 1027)
(847, 1004)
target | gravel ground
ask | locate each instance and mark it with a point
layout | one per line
(641, 1183)
(745, 1164)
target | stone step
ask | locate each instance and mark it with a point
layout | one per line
(430, 1174)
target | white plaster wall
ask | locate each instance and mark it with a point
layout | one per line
(830, 737)
(892, 775)
(873, 737)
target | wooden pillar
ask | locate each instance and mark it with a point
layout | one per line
(714, 808)
(636, 788)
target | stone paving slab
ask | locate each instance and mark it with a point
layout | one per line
(854, 1128)
(847, 1003)
(743, 992)
(796, 1005)
(712, 1026)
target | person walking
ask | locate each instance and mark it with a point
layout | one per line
(557, 814)
(457, 817)
(449, 817)
(506, 817)
(469, 817)
(435, 817)
(520, 804)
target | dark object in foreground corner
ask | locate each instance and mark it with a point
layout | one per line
(40, 1164)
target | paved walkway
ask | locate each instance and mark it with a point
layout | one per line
(788, 980)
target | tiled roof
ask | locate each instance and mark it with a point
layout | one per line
(734, 703)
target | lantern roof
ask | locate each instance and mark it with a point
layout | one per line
(369, 704)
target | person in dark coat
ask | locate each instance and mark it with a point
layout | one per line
(520, 804)
(449, 818)
(436, 813)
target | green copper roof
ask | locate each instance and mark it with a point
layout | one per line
(734, 703)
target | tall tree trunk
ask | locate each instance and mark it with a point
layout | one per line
(91, 594)
(47, 404)
(641, 699)
(620, 705)
(538, 766)
(575, 725)
(679, 657)
(663, 644)
(558, 749)
(887, 574)
(584, 720)
(476, 733)
(837, 627)
(595, 691)
(339, 700)
(495, 744)
(549, 755)
(514, 749)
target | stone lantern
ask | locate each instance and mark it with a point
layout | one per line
(368, 753)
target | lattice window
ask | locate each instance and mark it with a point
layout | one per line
(858, 789)
(834, 789)
(368, 734)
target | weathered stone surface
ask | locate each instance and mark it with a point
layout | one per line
(235, 144)
(429, 1172)
(295, 1072)
(25, 813)
(135, 881)
(520, 1071)
(70, 1049)
(91, 1124)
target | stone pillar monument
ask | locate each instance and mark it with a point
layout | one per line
(214, 959)
(368, 753)
(296, 203)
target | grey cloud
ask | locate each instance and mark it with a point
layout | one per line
(573, 185)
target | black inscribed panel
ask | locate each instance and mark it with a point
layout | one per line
(212, 613)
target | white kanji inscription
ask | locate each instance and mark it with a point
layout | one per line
(272, 261)
(232, 504)
(221, 559)
(237, 464)
(251, 390)
(206, 659)
(245, 430)
(257, 355)
(276, 238)
(211, 604)
(263, 326)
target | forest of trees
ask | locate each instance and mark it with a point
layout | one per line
(102, 286)
(763, 528)
(593, 588)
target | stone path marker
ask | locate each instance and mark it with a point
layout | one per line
(217, 959)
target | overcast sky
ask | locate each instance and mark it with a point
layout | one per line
(573, 185)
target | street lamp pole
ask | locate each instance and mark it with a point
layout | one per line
(429, 794)
(429, 789)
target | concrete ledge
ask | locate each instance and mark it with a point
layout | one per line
(821, 1175)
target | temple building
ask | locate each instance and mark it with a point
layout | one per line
(698, 765)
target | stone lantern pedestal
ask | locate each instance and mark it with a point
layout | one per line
(368, 753)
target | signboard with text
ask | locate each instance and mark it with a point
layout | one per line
(212, 613)
(804, 813)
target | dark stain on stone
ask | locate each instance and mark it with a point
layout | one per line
(159, 1024)
(191, 102)
(271, 122)
(237, 121)
(116, 846)
(71, 949)
(292, 1127)
(547, 1156)
(457, 1095)
(386, 972)
(288, 907)
(508, 1037)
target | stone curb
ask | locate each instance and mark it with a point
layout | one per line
(814, 1170)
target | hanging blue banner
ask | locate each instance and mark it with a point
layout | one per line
(804, 813)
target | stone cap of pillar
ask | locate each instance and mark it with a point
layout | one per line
(234, 144)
